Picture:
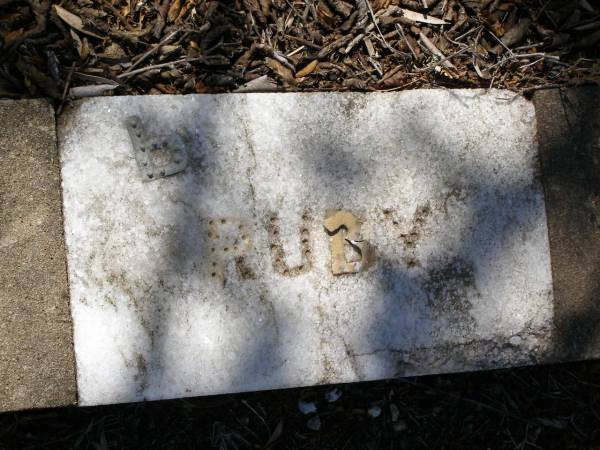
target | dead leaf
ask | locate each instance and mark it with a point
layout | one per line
(436, 51)
(284, 72)
(276, 434)
(308, 69)
(174, 10)
(82, 46)
(260, 84)
(517, 32)
(73, 21)
(77, 42)
(418, 17)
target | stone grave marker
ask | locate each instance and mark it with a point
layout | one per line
(232, 243)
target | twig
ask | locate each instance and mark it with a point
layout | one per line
(303, 41)
(353, 43)
(499, 41)
(376, 65)
(94, 78)
(412, 50)
(333, 46)
(298, 50)
(158, 66)
(472, 30)
(437, 52)
(447, 58)
(151, 52)
(375, 22)
(66, 89)
(270, 51)
(392, 72)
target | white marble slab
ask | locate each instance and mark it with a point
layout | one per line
(178, 287)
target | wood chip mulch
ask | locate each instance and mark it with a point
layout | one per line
(524, 409)
(79, 48)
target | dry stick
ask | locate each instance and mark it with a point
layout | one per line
(554, 58)
(436, 51)
(292, 53)
(500, 41)
(151, 51)
(472, 30)
(66, 89)
(392, 72)
(333, 46)
(527, 47)
(397, 88)
(412, 50)
(437, 63)
(158, 66)
(375, 23)
(376, 66)
(353, 42)
(505, 60)
(303, 41)
(531, 63)
(272, 53)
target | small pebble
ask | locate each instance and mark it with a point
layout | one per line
(333, 395)
(307, 407)
(374, 411)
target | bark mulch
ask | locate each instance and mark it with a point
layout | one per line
(79, 48)
(530, 408)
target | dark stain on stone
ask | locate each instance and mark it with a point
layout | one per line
(477, 354)
(142, 373)
(449, 287)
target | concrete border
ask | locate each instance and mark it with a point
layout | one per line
(36, 344)
(569, 144)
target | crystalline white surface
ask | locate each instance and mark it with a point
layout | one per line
(446, 185)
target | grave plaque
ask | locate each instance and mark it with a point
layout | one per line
(296, 239)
